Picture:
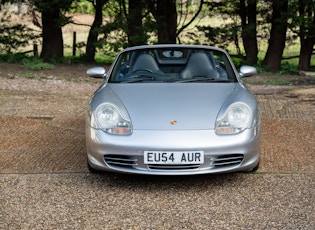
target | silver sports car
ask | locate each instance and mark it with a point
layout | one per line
(172, 110)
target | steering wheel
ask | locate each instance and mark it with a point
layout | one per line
(146, 70)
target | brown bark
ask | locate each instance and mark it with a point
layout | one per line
(306, 34)
(166, 21)
(93, 34)
(249, 35)
(306, 53)
(52, 35)
(277, 38)
(135, 30)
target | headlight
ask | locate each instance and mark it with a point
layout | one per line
(235, 120)
(110, 120)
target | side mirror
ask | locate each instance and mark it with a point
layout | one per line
(247, 71)
(96, 72)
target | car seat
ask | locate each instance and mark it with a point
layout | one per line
(147, 63)
(199, 65)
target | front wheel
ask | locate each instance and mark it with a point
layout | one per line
(92, 170)
(255, 168)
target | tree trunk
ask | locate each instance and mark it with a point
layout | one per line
(52, 35)
(277, 38)
(306, 53)
(306, 34)
(249, 34)
(135, 30)
(93, 34)
(166, 21)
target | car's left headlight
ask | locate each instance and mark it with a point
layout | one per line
(235, 120)
(110, 120)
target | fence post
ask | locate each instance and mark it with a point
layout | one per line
(35, 49)
(74, 45)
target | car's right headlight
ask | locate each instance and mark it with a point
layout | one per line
(235, 120)
(110, 120)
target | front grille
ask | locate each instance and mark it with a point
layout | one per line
(174, 167)
(227, 160)
(211, 162)
(120, 161)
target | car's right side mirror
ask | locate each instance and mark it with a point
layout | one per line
(247, 71)
(96, 72)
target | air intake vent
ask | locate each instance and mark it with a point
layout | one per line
(227, 160)
(120, 161)
(174, 167)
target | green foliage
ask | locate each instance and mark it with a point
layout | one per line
(55, 7)
(112, 37)
(68, 59)
(14, 36)
(223, 35)
(51, 6)
(228, 29)
(72, 59)
(221, 28)
(260, 68)
(288, 68)
(107, 58)
(36, 64)
(82, 7)
(12, 58)
(238, 62)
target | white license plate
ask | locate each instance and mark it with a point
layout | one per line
(166, 157)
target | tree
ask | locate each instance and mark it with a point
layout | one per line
(184, 11)
(14, 36)
(126, 26)
(94, 31)
(247, 11)
(277, 38)
(135, 30)
(303, 24)
(243, 14)
(165, 14)
(52, 22)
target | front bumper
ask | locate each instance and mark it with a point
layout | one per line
(125, 154)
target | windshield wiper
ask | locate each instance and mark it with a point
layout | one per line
(140, 79)
(205, 79)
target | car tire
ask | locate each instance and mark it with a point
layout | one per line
(255, 168)
(92, 170)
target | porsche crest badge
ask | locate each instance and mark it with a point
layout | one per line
(173, 122)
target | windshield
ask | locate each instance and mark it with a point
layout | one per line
(172, 65)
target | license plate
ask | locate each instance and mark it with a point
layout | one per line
(166, 157)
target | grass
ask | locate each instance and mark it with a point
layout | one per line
(36, 64)
(277, 79)
(3, 98)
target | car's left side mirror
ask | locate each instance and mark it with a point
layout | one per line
(96, 72)
(247, 71)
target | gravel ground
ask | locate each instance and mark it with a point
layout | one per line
(85, 201)
(44, 183)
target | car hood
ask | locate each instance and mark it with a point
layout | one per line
(172, 106)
